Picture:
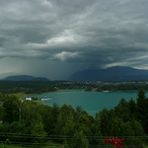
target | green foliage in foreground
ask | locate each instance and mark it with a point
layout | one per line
(16, 146)
(29, 122)
(9, 146)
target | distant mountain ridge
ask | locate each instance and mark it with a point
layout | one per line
(24, 78)
(112, 74)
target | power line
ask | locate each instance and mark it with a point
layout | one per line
(69, 136)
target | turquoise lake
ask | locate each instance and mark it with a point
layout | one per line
(92, 101)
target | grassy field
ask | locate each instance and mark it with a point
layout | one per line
(9, 146)
(15, 146)
(50, 145)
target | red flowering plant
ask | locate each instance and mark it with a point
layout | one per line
(115, 141)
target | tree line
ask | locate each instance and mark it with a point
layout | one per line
(28, 87)
(29, 121)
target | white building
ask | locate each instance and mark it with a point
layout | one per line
(28, 99)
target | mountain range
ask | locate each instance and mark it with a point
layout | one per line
(112, 74)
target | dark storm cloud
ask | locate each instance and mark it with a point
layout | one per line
(95, 32)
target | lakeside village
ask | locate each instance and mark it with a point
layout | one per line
(32, 98)
(35, 87)
(88, 86)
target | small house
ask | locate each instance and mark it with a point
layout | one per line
(28, 99)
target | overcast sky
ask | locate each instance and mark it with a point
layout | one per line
(55, 38)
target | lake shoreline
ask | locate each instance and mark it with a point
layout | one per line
(90, 101)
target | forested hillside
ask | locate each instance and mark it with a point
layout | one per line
(28, 122)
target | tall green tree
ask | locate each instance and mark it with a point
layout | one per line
(11, 109)
(142, 110)
(122, 110)
(65, 121)
(78, 141)
(105, 119)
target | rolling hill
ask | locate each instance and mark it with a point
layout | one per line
(24, 78)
